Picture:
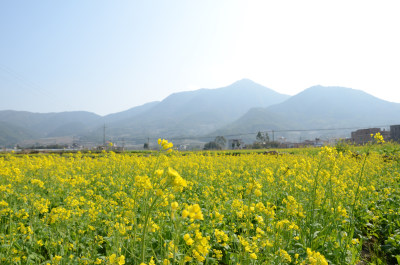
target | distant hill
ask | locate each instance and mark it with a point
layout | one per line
(258, 119)
(241, 108)
(191, 113)
(28, 125)
(130, 113)
(11, 134)
(319, 107)
(340, 106)
(197, 112)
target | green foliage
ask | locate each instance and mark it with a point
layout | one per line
(217, 144)
(342, 146)
(263, 141)
(262, 138)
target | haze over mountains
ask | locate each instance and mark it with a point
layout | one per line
(319, 107)
(197, 112)
(241, 107)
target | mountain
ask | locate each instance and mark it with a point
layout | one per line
(344, 106)
(197, 112)
(243, 107)
(11, 134)
(132, 112)
(318, 107)
(24, 125)
(191, 113)
(257, 119)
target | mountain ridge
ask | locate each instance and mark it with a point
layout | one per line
(204, 109)
(319, 107)
(243, 106)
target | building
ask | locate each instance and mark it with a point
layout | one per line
(395, 133)
(363, 136)
(235, 144)
(386, 135)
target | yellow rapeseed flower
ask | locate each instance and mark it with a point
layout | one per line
(174, 206)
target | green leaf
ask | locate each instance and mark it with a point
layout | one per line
(398, 259)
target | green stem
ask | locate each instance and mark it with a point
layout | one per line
(314, 194)
(146, 219)
(352, 217)
(144, 233)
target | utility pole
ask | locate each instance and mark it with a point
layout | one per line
(73, 142)
(104, 135)
(273, 136)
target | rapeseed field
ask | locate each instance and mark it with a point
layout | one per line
(329, 206)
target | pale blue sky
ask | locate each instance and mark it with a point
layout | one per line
(109, 56)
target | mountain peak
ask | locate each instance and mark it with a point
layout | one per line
(327, 92)
(329, 88)
(245, 81)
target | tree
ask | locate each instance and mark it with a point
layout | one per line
(212, 146)
(263, 141)
(262, 138)
(221, 141)
(217, 144)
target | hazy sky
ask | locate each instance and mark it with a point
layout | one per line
(109, 56)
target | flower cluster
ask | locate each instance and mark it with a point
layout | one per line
(178, 183)
(114, 260)
(221, 237)
(165, 145)
(314, 258)
(143, 183)
(201, 246)
(378, 138)
(193, 212)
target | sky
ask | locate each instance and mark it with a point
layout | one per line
(109, 56)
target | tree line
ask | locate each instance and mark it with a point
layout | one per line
(262, 141)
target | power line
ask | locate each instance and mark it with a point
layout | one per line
(29, 85)
(206, 137)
